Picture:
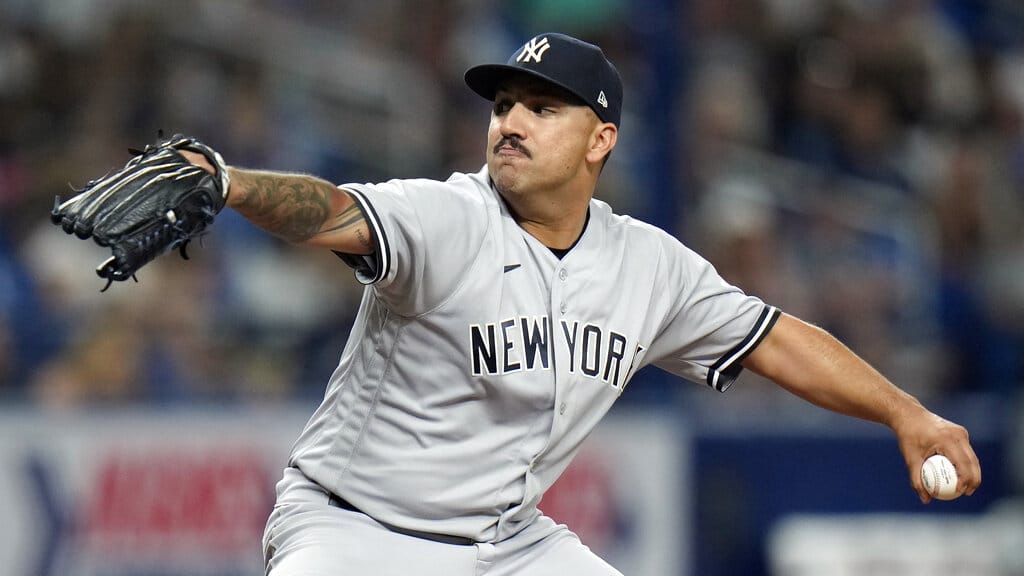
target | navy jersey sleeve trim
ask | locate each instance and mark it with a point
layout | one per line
(724, 372)
(369, 268)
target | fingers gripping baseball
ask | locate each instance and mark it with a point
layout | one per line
(925, 434)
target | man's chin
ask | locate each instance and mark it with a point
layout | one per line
(504, 188)
(505, 179)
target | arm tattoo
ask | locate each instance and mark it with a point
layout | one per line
(294, 207)
(351, 217)
(363, 239)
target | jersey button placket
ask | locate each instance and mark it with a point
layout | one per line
(562, 275)
(563, 365)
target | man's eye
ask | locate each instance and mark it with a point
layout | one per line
(501, 107)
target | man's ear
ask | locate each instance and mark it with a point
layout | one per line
(602, 142)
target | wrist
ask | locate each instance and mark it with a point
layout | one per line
(905, 410)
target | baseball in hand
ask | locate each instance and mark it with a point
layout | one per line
(939, 477)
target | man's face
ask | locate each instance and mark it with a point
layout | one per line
(538, 137)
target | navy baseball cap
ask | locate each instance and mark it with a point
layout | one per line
(570, 63)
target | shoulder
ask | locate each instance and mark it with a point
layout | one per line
(647, 249)
(632, 231)
(470, 185)
(459, 189)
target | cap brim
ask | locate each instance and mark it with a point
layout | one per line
(485, 79)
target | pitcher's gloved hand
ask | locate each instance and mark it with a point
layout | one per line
(157, 201)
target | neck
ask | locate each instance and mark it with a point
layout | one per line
(558, 230)
(556, 216)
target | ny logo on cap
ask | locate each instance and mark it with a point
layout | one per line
(534, 50)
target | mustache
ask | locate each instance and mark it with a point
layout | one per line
(514, 143)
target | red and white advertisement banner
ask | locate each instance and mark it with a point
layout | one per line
(187, 492)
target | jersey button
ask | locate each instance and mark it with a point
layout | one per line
(563, 307)
(562, 274)
(561, 408)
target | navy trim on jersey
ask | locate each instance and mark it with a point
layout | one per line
(367, 271)
(724, 372)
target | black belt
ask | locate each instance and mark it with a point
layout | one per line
(339, 502)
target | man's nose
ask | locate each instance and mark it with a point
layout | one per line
(512, 121)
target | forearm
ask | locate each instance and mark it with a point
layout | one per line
(813, 365)
(299, 208)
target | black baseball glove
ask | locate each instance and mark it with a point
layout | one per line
(158, 201)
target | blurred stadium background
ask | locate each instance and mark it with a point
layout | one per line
(859, 163)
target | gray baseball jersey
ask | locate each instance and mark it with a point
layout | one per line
(479, 361)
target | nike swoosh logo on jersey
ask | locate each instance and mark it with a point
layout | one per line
(511, 267)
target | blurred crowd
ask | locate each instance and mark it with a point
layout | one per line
(859, 163)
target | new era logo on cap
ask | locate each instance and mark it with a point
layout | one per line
(575, 65)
